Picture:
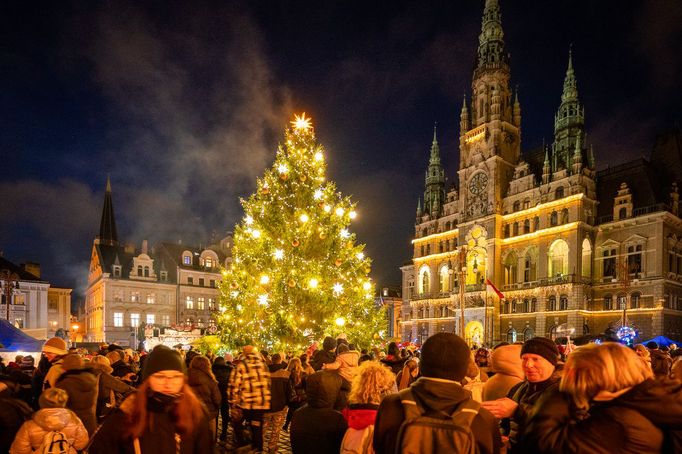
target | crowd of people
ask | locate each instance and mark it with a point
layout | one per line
(534, 396)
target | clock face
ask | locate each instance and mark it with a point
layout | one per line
(478, 183)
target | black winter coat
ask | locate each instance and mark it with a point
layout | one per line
(526, 394)
(555, 427)
(322, 357)
(438, 395)
(110, 391)
(396, 364)
(13, 413)
(82, 387)
(281, 392)
(317, 427)
(206, 390)
(222, 374)
(159, 437)
(121, 369)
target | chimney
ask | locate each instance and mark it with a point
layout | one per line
(144, 247)
(31, 267)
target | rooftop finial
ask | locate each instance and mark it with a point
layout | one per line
(108, 188)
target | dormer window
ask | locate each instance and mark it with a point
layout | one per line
(146, 271)
(164, 276)
(208, 262)
(116, 270)
(139, 270)
(186, 259)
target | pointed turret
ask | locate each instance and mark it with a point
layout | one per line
(464, 117)
(546, 166)
(107, 226)
(419, 207)
(516, 113)
(491, 53)
(569, 121)
(434, 194)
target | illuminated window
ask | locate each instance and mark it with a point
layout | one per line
(558, 258)
(201, 282)
(200, 303)
(135, 297)
(635, 259)
(424, 280)
(510, 268)
(151, 319)
(609, 263)
(208, 262)
(211, 304)
(189, 302)
(444, 279)
(19, 323)
(528, 333)
(134, 320)
(118, 319)
(151, 298)
(511, 335)
(187, 259)
(587, 259)
(165, 320)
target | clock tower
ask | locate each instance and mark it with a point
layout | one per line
(490, 129)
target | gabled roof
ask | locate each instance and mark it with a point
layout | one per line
(172, 252)
(646, 186)
(116, 255)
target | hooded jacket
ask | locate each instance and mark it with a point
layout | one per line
(438, 395)
(206, 390)
(32, 433)
(395, 363)
(281, 392)
(324, 356)
(506, 363)
(317, 427)
(109, 391)
(346, 364)
(555, 427)
(82, 387)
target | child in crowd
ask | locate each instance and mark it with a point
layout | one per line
(346, 363)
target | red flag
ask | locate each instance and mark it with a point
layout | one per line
(495, 289)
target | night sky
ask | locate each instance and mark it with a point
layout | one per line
(183, 104)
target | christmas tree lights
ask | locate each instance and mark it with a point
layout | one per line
(297, 273)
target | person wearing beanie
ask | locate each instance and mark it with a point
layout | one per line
(326, 355)
(53, 418)
(539, 357)
(54, 350)
(81, 385)
(162, 416)
(444, 363)
(121, 369)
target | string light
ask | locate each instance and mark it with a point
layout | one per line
(279, 254)
(338, 289)
(367, 286)
(319, 156)
(283, 168)
(340, 321)
(360, 255)
(255, 233)
(304, 218)
(318, 194)
(263, 299)
(327, 208)
(339, 211)
(344, 233)
(264, 279)
(352, 214)
(312, 283)
(248, 220)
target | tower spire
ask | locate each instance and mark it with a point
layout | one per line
(434, 193)
(435, 149)
(107, 226)
(569, 121)
(491, 53)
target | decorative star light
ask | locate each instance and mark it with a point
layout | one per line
(312, 283)
(352, 214)
(265, 279)
(255, 233)
(319, 156)
(367, 286)
(304, 218)
(248, 220)
(338, 289)
(283, 168)
(318, 194)
(340, 321)
(339, 211)
(279, 254)
(344, 233)
(301, 123)
(360, 255)
(263, 299)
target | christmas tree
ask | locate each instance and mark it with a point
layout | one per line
(296, 273)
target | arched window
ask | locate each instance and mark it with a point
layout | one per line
(634, 300)
(424, 280)
(528, 333)
(526, 305)
(526, 226)
(533, 305)
(139, 270)
(622, 213)
(587, 259)
(510, 268)
(557, 259)
(563, 302)
(559, 193)
(553, 332)
(536, 223)
(511, 335)
(553, 219)
(420, 312)
(551, 303)
(608, 302)
(506, 231)
(146, 271)
(517, 206)
(530, 266)
(505, 307)
(513, 305)
(444, 279)
(515, 229)
(564, 216)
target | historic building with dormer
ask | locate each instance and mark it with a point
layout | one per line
(135, 293)
(573, 250)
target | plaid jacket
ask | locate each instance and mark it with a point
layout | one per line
(249, 386)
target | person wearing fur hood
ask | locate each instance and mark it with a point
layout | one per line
(52, 417)
(506, 364)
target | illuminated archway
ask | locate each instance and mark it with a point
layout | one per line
(424, 280)
(557, 258)
(477, 255)
(473, 333)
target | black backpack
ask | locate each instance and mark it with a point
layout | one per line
(428, 431)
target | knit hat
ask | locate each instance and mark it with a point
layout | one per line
(53, 398)
(543, 347)
(652, 345)
(162, 358)
(27, 362)
(55, 345)
(72, 361)
(445, 355)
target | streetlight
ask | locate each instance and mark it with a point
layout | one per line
(11, 281)
(462, 281)
(74, 330)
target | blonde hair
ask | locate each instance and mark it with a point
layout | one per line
(609, 367)
(371, 383)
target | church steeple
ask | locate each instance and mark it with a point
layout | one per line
(107, 226)
(464, 117)
(569, 121)
(491, 53)
(434, 193)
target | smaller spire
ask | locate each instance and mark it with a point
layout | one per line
(435, 149)
(108, 188)
(419, 206)
(435, 126)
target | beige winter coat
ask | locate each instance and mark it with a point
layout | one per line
(346, 363)
(506, 363)
(32, 433)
